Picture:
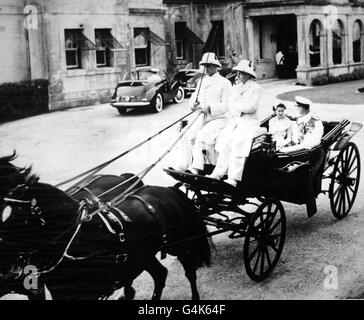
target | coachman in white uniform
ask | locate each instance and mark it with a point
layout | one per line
(213, 100)
(308, 128)
(235, 141)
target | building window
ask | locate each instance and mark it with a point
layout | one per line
(315, 44)
(337, 42)
(219, 45)
(180, 43)
(141, 47)
(73, 52)
(185, 39)
(216, 40)
(357, 43)
(75, 43)
(106, 44)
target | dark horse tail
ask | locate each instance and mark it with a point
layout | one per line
(199, 249)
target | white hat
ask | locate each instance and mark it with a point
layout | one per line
(303, 102)
(247, 67)
(210, 58)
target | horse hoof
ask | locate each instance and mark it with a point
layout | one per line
(129, 294)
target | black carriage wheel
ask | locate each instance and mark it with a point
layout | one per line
(345, 181)
(264, 239)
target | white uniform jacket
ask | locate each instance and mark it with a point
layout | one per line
(243, 123)
(215, 92)
(310, 131)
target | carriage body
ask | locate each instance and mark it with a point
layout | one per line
(271, 177)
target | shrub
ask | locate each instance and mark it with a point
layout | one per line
(320, 80)
(357, 74)
(23, 99)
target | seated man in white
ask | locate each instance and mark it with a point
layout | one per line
(309, 128)
(212, 99)
(281, 127)
(235, 142)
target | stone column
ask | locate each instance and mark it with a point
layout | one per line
(250, 32)
(349, 41)
(323, 47)
(329, 48)
(302, 43)
(362, 45)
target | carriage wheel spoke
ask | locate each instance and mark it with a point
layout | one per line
(351, 189)
(341, 200)
(262, 262)
(338, 193)
(273, 247)
(352, 162)
(276, 225)
(353, 170)
(271, 219)
(348, 196)
(254, 252)
(338, 189)
(268, 257)
(344, 200)
(256, 262)
(277, 235)
(348, 155)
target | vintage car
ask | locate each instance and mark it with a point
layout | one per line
(189, 79)
(146, 87)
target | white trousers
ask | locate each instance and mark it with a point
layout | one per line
(183, 158)
(229, 164)
(205, 140)
(234, 147)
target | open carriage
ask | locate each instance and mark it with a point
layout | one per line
(269, 178)
(103, 220)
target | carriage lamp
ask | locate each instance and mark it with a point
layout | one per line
(269, 146)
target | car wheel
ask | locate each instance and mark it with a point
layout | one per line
(179, 96)
(158, 103)
(122, 110)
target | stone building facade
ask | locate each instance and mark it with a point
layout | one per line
(317, 37)
(85, 46)
(82, 46)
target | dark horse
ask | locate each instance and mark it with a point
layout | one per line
(83, 256)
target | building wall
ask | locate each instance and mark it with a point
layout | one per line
(13, 49)
(69, 88)
(38, 51)
(43, 55)
(198, 17)
(151, 16)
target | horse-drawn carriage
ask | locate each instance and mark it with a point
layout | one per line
(100, 234)
(271, 177)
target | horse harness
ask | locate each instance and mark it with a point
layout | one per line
(114, 219)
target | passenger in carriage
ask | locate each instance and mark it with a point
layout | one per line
(234, 143)
(308, 129)
(281, 127)
(212, 100)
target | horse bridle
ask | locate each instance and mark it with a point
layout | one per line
(34, 209)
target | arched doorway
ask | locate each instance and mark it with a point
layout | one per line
(315, 43)
(337, 42)
(357, 41)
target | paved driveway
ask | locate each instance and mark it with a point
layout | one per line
(62, 144)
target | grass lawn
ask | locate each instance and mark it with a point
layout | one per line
(337, 93)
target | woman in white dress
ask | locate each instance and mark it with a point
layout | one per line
(281, 127)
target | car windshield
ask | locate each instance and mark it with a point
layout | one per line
(148, 75)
